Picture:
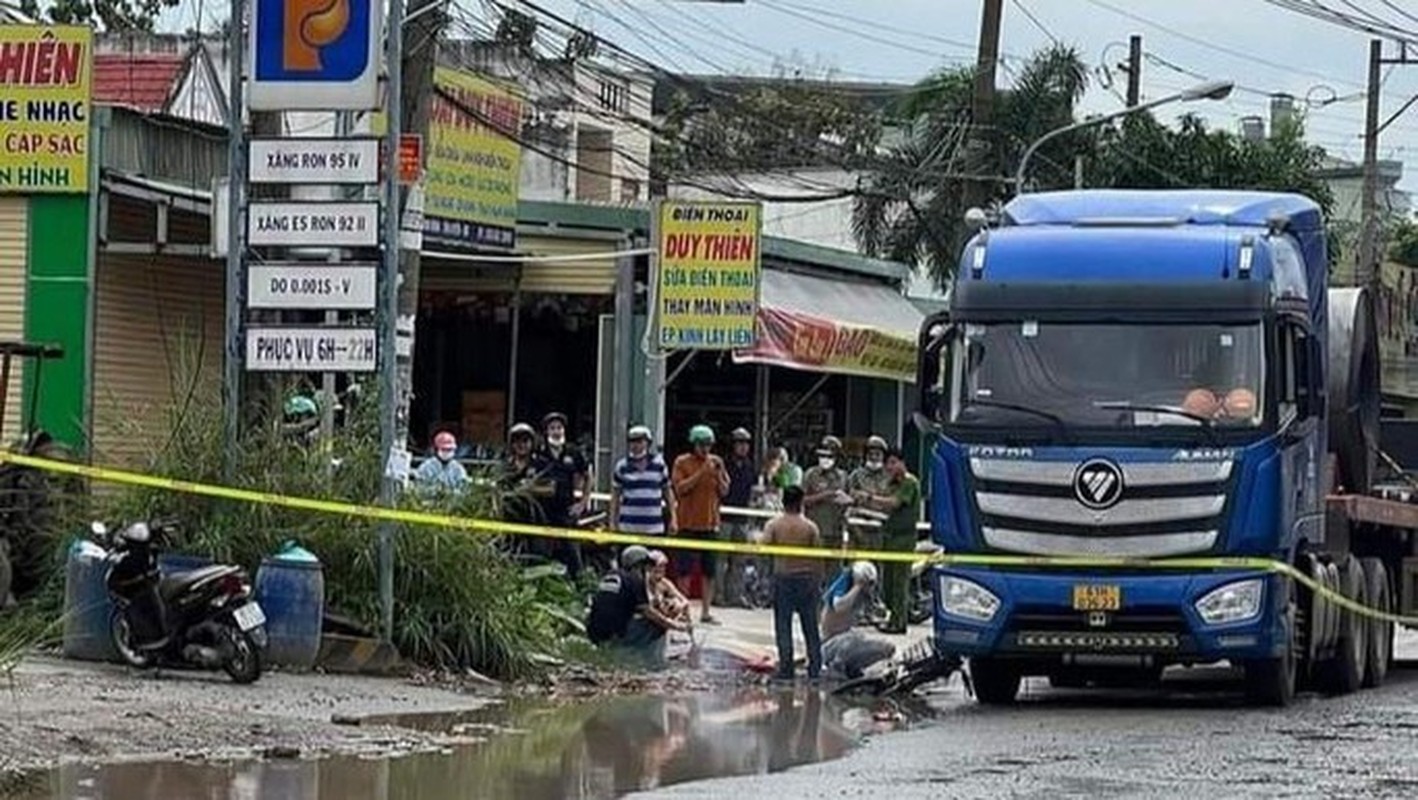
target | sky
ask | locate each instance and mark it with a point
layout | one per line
(1264, 49)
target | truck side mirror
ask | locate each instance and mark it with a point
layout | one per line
(933, 346)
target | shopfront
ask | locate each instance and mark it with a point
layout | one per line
(503, 339)
(835, 354)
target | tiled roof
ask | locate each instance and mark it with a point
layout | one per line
(141, 81)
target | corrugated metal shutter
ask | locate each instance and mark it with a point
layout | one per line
(157, 339)
(14, 255)
(596, 276)
(440, 275)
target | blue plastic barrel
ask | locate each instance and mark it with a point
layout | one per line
(290, 586)
(86, 604)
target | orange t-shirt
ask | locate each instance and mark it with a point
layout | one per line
(698, 508)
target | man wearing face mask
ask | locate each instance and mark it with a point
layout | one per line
(566, 469)
(867, 481)
(825, 487)
(442, 471)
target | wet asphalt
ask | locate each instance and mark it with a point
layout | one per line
(1192, 738)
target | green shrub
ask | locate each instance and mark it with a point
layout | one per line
(460, 599)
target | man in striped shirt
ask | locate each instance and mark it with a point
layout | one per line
(642, 491)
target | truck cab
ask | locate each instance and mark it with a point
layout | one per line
(1129, 374)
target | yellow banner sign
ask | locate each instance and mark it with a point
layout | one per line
(474, 163)
(46, 74)
(708, 284)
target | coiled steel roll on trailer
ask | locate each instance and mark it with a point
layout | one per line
(1353, 387)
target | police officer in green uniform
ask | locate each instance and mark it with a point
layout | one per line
(901, 502)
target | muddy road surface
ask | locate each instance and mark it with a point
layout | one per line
(1193, 739)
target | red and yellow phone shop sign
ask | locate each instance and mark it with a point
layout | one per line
(46, 78)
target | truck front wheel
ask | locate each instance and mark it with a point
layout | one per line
(1271, 681)
(995, 681)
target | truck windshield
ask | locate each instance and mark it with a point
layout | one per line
(1034, 373)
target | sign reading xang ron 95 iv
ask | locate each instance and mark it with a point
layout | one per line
(46, 72)
(708, 283)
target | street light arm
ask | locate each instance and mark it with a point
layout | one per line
(1215, 90)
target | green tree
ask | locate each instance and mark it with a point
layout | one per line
(108, 15)
(1403, 243)
(776, 126)
(911, 205)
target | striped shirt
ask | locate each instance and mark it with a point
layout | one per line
(641, 485)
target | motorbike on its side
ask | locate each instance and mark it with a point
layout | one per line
(203, 618)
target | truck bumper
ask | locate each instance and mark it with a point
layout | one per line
(1157, 618)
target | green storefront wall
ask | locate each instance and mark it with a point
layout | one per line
(57, 312)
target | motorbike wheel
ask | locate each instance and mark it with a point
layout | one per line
(122, 635)
(244, 665)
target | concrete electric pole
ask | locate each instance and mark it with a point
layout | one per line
(977, 192)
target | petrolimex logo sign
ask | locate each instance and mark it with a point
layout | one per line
(315, 55)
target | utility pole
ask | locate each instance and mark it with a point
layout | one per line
(412, 52)
(977, 192)
(1134, 69)
(1366, 272)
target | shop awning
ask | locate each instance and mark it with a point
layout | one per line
(837, 326)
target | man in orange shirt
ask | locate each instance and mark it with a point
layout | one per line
(700, 480)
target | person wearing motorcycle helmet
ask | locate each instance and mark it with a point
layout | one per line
(568, 469)
(870, 478)
(825, 485)
(847, 652)
(700, 482)
(443, 471)
(622, 618)
(642, 499)
(524, 483)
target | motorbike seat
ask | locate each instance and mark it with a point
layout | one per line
(176, 582)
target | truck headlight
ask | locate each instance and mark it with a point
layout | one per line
(1233, 602)
(967, 599)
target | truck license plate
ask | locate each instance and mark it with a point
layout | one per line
(1094, 597)
(249, 616)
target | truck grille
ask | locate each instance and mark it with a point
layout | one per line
(1165, 508)
(1099, 642)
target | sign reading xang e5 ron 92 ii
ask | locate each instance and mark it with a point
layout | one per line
(46, 72)
(708, 274)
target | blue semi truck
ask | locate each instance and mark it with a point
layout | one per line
(1159, 374)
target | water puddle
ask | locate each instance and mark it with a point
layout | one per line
(598, 749)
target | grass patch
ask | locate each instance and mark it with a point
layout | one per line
(460, 600)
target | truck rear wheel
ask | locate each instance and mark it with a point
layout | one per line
(1380, 631)
(996, 682)
(1343, 672)
(1271, 681)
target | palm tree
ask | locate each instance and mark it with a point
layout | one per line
(910, 207)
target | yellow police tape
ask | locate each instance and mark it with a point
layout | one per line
(497, 527)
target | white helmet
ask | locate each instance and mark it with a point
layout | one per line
(639, 432)
(864, 571)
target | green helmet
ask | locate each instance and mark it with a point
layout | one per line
(701, 434)
(300, 405)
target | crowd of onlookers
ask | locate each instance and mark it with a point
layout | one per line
(643, 594)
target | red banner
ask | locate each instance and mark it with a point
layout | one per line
(802, 341)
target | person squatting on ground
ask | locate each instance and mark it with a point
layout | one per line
(795, 584)
(700, 482)
(846, 653)
(664, 595)
(622, 619)
(900, 500)
(642, 499)
(569, 474)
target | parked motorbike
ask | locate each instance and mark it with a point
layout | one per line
(202, 618)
